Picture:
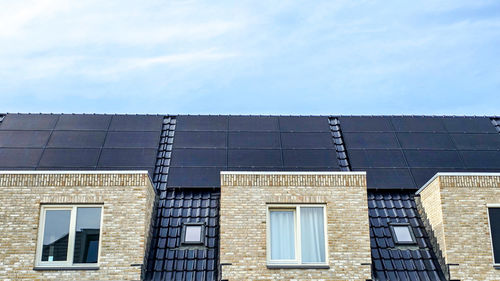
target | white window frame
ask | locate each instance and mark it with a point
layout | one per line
(297, 262)
(488, 207)
(71, 237)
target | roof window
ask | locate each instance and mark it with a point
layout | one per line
(402, 234)
(193, 233)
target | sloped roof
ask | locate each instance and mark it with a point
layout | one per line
(184, 155)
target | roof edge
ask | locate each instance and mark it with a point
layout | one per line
(289, 173)
(60, 172)
(455, 174)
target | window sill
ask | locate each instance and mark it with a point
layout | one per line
(66, 268)
(298, 266)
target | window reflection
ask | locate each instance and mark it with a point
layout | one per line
(88, 225)
(55, 236)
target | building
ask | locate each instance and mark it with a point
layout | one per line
(153, 197)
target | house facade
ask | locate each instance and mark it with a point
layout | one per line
(153, 197)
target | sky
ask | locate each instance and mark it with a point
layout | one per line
(250, 57)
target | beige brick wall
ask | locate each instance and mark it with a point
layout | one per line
(455, 207)
(243, 223)
(127, 199)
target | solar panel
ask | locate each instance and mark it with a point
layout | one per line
(417, 124)
(83, 122)
(477, 141)
(423, 175)
(133, 139)
(365, 158)
(468, 124)
(24, 138)
(136, 123)
(388, 178)
(69, 157)
(425, 141)
(201, 123)
(127, 157)
(199, 157)
(255, 157)
(304, 124)
(77, 139)
(253, 123)
(370, 140)
(306, 140)
(365, 124)
(481, 159)
(20, 157)
(200, 140)
(309, 158)
(433, 158)
(29, 122)
(194, 176)
(253, 140)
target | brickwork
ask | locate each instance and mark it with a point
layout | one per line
(243, 223)
(127, 200)
(455, 207)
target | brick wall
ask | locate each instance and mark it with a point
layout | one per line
(455, 208)
(127, 199)
(244, 197)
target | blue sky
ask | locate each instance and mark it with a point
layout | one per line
(250, 57)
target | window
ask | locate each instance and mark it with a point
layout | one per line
(296, 236)
(494, 220)
(69, 236)
(402, 233)
(193, 233)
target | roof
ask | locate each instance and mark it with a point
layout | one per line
(184, 156)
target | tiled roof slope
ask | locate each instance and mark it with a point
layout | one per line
(79, 142)
(393, 262)
(168, 259)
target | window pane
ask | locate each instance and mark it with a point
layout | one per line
(193, 233)
(313, 234)
(55, 235)
(402, 234)
(494, 214)
(282, 235)
(88, 225)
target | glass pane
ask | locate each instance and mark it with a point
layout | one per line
(282, 235)
(193, 233)
(402, 233)
(88, 227)
(313, 234)
(494, 214)
(55, 235)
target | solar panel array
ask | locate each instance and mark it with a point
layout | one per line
(79, 142)
(206, 145)
(405, 152)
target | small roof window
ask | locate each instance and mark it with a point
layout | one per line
(402, 233)
(193, 233)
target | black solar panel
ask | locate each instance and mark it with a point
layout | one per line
(83, 122)
(127, 157)
(365, 124)
(433, 158)
(468, 125)
(19, 157)
(423, 175)
(477, 141)
(417, 124)
(133, 139)
(259, 140)
(25, 139)
(253, 123)
(304, 124)
(29, 122)
(200, 139)
(370, 140)
(201, 123)
(255, 157)
(377, 158)
(381, 178)
(481, 159)
(309, 158)
(199, 157)
(425, 141)
(136, 123)
(194, 176)
(77, 139)
(69, 157)
(306, 140)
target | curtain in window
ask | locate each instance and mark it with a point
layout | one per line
(282, 235)
(313, 235)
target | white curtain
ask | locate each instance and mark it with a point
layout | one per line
(313, 234)
(282, 235)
